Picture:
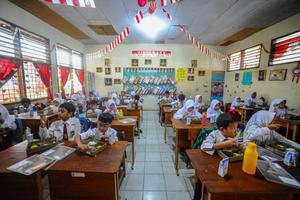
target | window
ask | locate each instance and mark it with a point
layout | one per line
(285, 49)
(35, 88)
(76, 60)
(10, 91)
(245, 59)
(63, 56)
(8, 40)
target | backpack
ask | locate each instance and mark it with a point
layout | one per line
(202, 136)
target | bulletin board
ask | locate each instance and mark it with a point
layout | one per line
(181, 74)
(147, 81)
(217, 85)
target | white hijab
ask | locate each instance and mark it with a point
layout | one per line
(8, 120)
(211, 110)
(235, 103)
(260, 119)
(109, 103)
(213, 104)
(275, 103)
(188, 104)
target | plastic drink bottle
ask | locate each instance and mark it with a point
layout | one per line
(250, 159)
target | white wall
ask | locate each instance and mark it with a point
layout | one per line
(269, 89)
(12, 13)
(181, 57)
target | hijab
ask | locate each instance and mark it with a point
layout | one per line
(274, 103)
(211, 110)
(260, 119)
(235, 103)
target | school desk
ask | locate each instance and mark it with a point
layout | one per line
(122, 107)
(80, 176)
(136, 112)
(168, 112)
(33, 122)
(14, 185)
(288, 123)
(236, 184)
(185, 135)
(127, 128)
(161, 111)
(245, 112)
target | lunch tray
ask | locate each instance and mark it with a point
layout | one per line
(102, 146)
(222, 153)
(42, 146)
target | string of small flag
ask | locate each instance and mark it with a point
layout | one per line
(75, 3)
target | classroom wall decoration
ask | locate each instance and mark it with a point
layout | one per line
(190, 78)
(134, 62)
(237, 76)
(217, 85)
(191, 70)
(201, 73)
(277, 75)
(117, 69)
(296, 73)
(149, 80)
(107, 81)
(262, 75)
(99, 69)
(181, 74)
(162, 62)
(107, 71)
(117, 81)
(247, 78)
(148, 62)
(194, 63)
(107, 62)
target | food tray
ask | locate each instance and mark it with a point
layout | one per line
(99, 147)
(228, 153)
(278, 148)
(40, 146)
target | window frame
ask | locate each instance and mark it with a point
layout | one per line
(242, 59)
(271, 49)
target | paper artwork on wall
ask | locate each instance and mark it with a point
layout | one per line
(262, 75)
(107, 81)
(117, 69)
(99, 69)
(181, 74)
(191, 70)
(217, 85)
(190, 78)
(247, 78)
(107, 62)
(237, 76)
(148, 62)
(194, 63)
(201, 73)
(163, 62)
(107, 71)
(134, 62)
(277, 75)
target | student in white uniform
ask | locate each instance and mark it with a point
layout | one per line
(187, 111)
(223, 137)
(236, 103)
(214, 110)
(111, 108)
(199, 103)
(103, 130)
(6, 121)
(167, 98)
(278, 106)
(179, 103)
(251, 100)
(63, 129)
(114, 96)
(93, 111)
(261, 130)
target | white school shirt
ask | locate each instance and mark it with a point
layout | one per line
(97, 111)
(57, 129)
(113, 112)
(214, 137)
(166, 99)
(110, 133)
(9, 121)
(179, 114)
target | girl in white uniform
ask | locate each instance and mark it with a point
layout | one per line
(187, 111)
(214, 110)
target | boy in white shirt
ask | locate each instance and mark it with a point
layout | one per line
(222, 138)
(63, 129)
(93, 111)
(166, 98)
(103, 130)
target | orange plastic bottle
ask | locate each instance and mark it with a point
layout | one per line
(250, 159)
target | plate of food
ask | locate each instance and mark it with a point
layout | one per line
(234, 154)
(94, 147)
(38, 146)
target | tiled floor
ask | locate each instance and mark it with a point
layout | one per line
(154, 176)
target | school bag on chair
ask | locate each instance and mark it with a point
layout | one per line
(201, 137)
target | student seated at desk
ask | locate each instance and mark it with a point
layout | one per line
(7, 126)
(103, 130)
(262, 131)
(93, 111)
(25, 105)
(112, 108)
(179, 103)
(94, 95)
(236, 103)
(187, 111)
(223, 137)
(262, 102)
(63, 129)
(136, 101)
(278, 106)
(114, 97)
(58, 98)
(199, 103)
(251, 100)
(214, 110)
(167, 98)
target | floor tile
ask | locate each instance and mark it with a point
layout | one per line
(152, 148)
(140, 156)
(154, 183)
(134, 182)
(152, 157)
(166, 157)
(175, 183)
(131, 195)
(155, 196)
(138, 168)
(153, 168)
(169, 168)
(178, 196)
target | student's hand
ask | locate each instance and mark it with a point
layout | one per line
(43, 121)
(230, 143)
(274, 126)
(83, 146)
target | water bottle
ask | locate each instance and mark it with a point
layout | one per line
(204, 119)
(250, 159)
(29, 135)
(31, 111)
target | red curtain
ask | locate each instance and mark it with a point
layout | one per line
(8, 68)
(45, 74)
(80, 75)
(64, 73)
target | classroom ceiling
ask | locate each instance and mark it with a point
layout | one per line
(213, 21)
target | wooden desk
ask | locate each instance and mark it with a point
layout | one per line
(128, 129)
(14, 185)
(288, 123)
(137, 113)
(237, 184)
(80, 176)
(168, 113)
(245, 111)
(34, 122)
(161, 111)
(185, 134)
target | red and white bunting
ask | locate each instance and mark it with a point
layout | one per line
(169, 16)
(163, 3)
(118, 40)
(139, 17)
(173, 1)
(76, 3)
(203, 49)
